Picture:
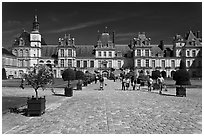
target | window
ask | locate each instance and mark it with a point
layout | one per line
(163, 64)
(27, 53)
(26, 63)
(21, 63)
(153, 63)
(193, 53)
(147, 53)
(21, 53)
(99, 53)
(104, 53)
(62, 63)
(69, 52)
(62, 52)
(147, 63)
(78, 63)
(99, 64)
(139, 63)
(110, 64)
(85, 64)
(92, 63)
(110, 54)
(69, 63)
(119, 64)
(188, 63)
(188, 53)
(173, 63)
(138, 52)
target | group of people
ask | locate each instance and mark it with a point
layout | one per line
(137, 82)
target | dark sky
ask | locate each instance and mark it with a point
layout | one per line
(160, 21)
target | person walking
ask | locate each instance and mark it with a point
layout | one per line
(150, 83)
(123, 83)
(127, 83)
(101, 80)
(161, 83)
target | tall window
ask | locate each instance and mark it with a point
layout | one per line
(138, 52)
(139, 63)
(119, 64)
(85, 64)
(62, 63)
(15, 52)
(21, 53)
(21, 63)
(78, 63)
(147, 53)
(163, 64)
(99, 64)
(69, 52)
(193, 53)
(110, 54)
(110, 64)
(173, 63)
(27, 53)
(104, 53)
(188, 53)
(92, 64)
(188, 63)
(62, 52)
(69, 63)
(153, 63)
(147, 63)
(99, 53)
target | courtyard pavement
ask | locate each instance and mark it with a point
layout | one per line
(113, 111)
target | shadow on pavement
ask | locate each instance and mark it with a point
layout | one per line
(58, 94)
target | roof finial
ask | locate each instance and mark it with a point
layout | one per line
(106, 29)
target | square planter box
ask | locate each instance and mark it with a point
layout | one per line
(79, 86)
(180, 91)
(36, 107)
(68, 91)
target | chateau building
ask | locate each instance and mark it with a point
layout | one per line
(30, 49)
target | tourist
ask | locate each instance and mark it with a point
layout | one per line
(127, 82)
(101, 80)
(161, 83)
(150, 83)
(123, 83)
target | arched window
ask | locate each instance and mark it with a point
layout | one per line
(48, 61)
(41, 61)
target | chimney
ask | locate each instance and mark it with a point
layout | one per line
(98, 35)
(198, 34)
(113, 37)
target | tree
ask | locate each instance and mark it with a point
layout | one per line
(68, 75)
(79, 76)
(39, 77)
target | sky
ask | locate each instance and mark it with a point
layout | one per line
(160, 21)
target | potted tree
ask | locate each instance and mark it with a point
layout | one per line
(38, 77)
(68, 75)
(79, 77)
(182, 79)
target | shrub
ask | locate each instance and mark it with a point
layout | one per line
(79, 75)
(68, 75)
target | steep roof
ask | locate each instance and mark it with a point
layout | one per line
(49, 50)
(123, 48)
(84, 51)
(6, 52)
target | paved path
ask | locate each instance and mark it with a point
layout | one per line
(115, 111)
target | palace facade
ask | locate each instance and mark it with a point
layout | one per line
(30, 49)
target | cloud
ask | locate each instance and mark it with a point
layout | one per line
(11, 23)
(88, 24)
(9, 31)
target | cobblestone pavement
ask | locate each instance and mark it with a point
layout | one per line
(122, 112)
